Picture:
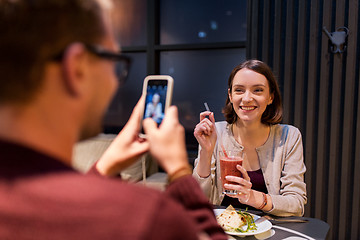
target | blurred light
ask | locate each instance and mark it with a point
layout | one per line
(213, 25)
(202, 34)
(171, 70)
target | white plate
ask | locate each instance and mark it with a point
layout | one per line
(262, 226)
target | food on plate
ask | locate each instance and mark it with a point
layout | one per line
(230, 220)
(233, 221)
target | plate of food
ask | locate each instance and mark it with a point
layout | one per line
(241, 223)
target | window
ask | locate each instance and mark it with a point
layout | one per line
(198, 43)
(127, 95)
(202, 21)
(199, 76)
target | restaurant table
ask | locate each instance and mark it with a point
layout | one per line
(313, 229)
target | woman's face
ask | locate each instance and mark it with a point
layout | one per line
(156, 98)
(250, 95)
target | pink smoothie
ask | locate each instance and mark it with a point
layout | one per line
(228, 167)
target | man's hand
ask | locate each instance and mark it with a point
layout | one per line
(126, 148)
(167, 143)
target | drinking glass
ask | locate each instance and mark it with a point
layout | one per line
(229, 159)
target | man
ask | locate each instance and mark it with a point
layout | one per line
(56, 81)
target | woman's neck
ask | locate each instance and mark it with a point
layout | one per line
(251, 134)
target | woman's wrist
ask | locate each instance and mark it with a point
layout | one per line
(207, 154)
(203, 167)
(258, 200)
(264, 202)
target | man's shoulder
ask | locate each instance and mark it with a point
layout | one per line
(109, 189)
(90, 204)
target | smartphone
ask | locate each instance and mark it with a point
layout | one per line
(158, 90)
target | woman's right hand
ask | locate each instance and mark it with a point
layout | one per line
(205, 131)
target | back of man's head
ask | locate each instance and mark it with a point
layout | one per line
(34, 32)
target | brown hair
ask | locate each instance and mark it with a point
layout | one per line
(33, 32)
(273, 112)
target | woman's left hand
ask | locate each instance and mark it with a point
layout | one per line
(243, 186)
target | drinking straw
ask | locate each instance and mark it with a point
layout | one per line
(207, 107)
(221, 145)
(224, 151)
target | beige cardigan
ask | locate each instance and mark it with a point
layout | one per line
(281, 161)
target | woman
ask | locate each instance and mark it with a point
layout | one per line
(273, 167)
(154, 109)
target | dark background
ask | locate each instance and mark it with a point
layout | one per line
(199, 42)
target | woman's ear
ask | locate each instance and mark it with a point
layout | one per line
(73, 68)
(271, 99)
(229, 94)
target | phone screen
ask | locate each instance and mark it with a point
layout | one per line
(155, 100)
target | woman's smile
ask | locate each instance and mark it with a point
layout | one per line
(248, 108)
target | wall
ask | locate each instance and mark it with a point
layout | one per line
(320, 92)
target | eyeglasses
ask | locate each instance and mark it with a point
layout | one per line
(122, 63)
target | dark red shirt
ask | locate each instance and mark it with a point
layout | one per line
(41, 198)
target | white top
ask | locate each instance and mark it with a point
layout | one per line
(154, 112)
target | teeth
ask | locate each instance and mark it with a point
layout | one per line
(247, 108)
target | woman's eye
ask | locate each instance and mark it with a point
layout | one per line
(258, 90)
(238, 90)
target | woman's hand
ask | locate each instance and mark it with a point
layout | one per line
(205, 134)
(246, 195)
(205, 131)
(242, 185)
(126, 148)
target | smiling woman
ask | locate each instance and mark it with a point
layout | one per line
(259, 70)
(273, 152)
(250, 95)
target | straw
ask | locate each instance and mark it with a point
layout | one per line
(221, 145)
(207, 107)
(224, 151)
